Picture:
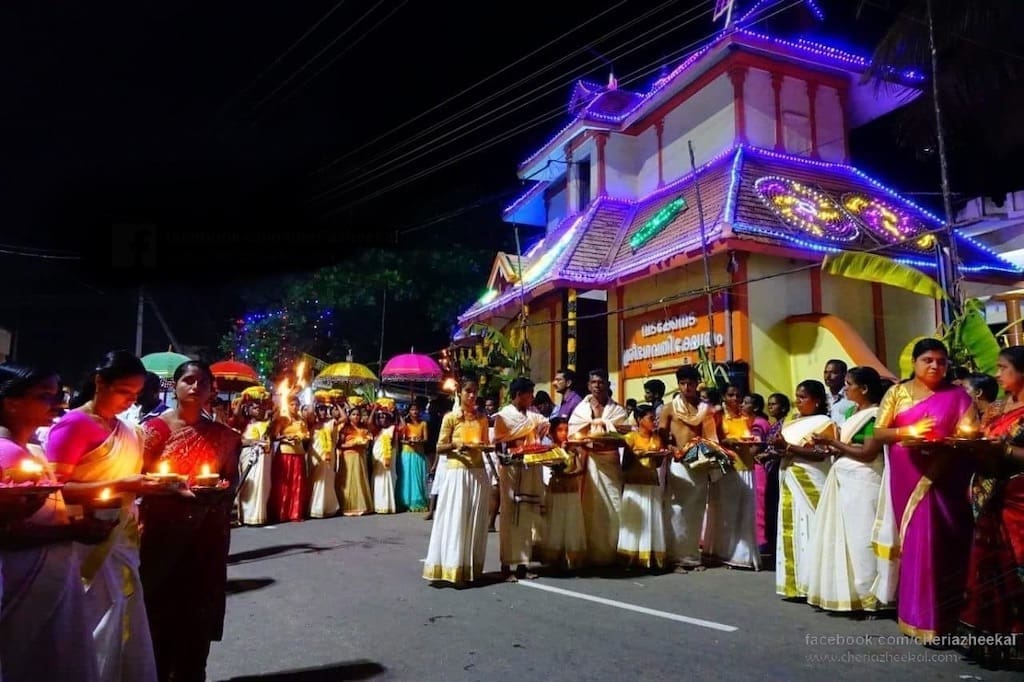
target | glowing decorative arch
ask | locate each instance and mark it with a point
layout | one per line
(891, 223)
(806, 208)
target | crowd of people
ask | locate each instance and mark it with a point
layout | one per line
(872, 496)
(858, 498)
(118, 575)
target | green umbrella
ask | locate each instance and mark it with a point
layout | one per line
(164, 364)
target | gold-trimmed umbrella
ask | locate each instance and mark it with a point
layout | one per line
(343, 374)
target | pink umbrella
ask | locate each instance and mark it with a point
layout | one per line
(411, 368)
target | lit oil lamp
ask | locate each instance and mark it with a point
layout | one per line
(107, 506)
(164, 474)
(206, 477)
(27, 471)
(967, 430)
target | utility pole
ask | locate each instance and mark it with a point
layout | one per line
(948, 273)
(139, 317)
(704, 248)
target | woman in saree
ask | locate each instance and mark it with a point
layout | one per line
(385, 439)
(289, 483)
(323, 447)
(92, 450)
(994, 603)
(928, 493)
(44, 633)
(356, 498)
(411, 490)
(458, 537)
(254, 489)
(766, 476)
(185, 541)
(802, 475)
(843, 565)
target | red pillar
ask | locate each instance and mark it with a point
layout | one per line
(659, 128)
(602, 140)
(812, 97)
(737, 75)
(780, 143)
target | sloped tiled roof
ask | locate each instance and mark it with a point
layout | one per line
(593, 249)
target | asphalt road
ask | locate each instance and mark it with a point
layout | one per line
(342, 598)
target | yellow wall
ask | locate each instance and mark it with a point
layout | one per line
(907, 315)
(770, 303)
(810, 347)
(635, 387)
(851, 300)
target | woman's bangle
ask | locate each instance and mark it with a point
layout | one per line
(1008, 451)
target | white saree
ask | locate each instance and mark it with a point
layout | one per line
(43, 631)
(115, 610)
(254, 463)
(842, 565)
(384, 472)
(800, 485)
(323, 501)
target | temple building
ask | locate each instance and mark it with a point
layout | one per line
(732, 170)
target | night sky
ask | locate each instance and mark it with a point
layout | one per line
(208, 130)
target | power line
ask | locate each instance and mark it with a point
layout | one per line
(481, 102)
(348, 48)
(291, 47)
(487, 118)
(32, 252)
(515, 131)
(312, 59)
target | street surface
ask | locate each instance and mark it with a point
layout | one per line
(342, 598)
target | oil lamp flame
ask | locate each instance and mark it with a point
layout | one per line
(105, 494)
(206, 470)
(164, 467)
(30, 466)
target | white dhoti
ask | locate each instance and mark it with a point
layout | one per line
(602, 502)
(522, 492)
(686, 501)
(731, 530)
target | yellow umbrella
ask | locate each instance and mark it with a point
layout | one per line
(342, 374)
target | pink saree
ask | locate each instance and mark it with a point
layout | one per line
(933, 514)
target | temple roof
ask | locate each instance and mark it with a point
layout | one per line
(749, 196)
(593, 106)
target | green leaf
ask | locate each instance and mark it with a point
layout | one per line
(873, 268)
(977, 340)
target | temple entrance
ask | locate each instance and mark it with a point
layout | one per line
(592, 333)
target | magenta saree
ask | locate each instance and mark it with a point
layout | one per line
(933, 514)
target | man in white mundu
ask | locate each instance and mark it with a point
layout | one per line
(596, 415)
(521, 487)
(686, 495)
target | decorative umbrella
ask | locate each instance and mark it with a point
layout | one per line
(410, 368)
(163, 364)
(233, 376)
(344, 374)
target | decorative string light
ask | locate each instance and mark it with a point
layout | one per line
(658, 222)
(805, 208)
(889, 222)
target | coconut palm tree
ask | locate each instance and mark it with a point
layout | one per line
(980, 84)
